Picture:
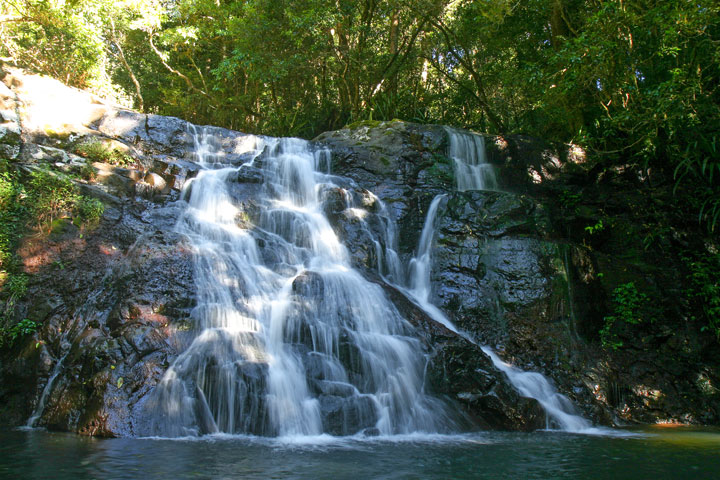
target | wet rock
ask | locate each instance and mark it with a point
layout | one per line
(309, 285)
(460, 369)
(354, 230)
(248, 174)
(113, 177)
(112, 333)
(339, 389)
(346, 415)
(387, 158)
(9, 131)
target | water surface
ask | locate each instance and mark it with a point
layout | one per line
(657, 453)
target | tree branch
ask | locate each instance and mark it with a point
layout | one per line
(135, 81)
(172, 70)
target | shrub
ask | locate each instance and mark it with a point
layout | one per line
(12, 214)
(87, 171)
(22, 328)
(89, 209)
(17, 285)
(628, 304)
(51, 194)
(704, 287)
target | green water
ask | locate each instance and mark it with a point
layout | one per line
(660, 453)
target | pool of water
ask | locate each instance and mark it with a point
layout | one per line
(657, 453)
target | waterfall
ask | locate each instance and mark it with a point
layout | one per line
(420, 265)
(472, 170)
(291, 340)
(473, 173)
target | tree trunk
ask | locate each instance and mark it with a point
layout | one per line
(558, 26)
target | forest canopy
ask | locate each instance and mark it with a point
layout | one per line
(633, 82)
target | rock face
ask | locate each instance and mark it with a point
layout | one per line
(516, 269)
(459, 369)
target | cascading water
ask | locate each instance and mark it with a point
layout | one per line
(472, 173)
(560, 410)
(472, 170)
(420, 266)
(291, 340)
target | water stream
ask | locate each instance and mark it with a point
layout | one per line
(45, 394)
(561, 413)
(65, 346)
(420, 268)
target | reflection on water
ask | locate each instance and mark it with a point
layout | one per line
(652, 453)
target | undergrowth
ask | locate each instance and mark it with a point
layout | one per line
(628, 305)
(97, 151)
(703, 287)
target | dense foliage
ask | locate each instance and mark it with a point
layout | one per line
(634, 83)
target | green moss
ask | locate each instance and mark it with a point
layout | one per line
(9, 137)
(441, 159)
(58, 134)
(439, 169)
(243, 219)
(183, 325)
(364, 123)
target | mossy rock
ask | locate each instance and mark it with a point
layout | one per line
(10, 134)
(62, 228)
